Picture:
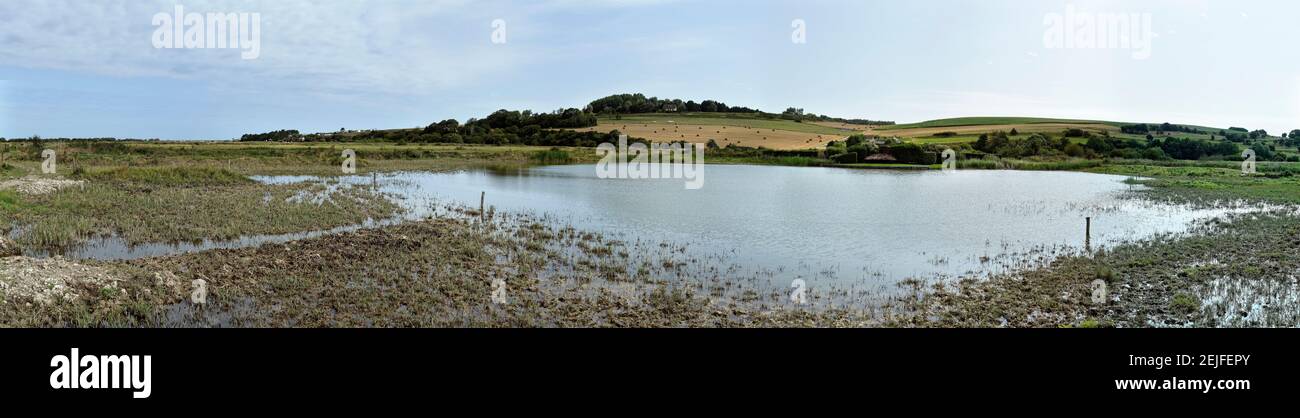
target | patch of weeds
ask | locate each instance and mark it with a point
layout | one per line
(1184, 303)
(109, 292)
(552, 156)
(1105, 273)
(168, 176)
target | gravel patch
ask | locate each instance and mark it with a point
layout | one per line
(39, 185)
(26, 280)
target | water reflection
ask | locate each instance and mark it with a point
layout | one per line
(786, 222)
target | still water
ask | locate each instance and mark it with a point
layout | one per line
(850, 225)
(839, 225)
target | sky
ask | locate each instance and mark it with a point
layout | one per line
(90, 68)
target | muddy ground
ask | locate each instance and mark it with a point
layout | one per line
(448, 272)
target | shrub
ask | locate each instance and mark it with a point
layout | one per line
(1154, 153)
(845, 158)
(1075, 150)
(910, 154)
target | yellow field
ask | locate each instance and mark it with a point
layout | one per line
(751, 137)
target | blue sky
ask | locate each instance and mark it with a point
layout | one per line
(83, 68)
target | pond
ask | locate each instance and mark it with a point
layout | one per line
(842, 225)
(829, 225)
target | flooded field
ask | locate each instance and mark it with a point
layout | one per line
(826, 226)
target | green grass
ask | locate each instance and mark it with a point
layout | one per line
(552, 156)
(8, 170)
(1209, 181)
(169, 176)
(1188, 135)
(1014, 164)
(9, 201)
(742, 120)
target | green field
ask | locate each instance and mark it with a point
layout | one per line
(945, 140)
(993, 120)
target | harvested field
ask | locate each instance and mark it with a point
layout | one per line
(724, 135)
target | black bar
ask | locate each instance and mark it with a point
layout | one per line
(287, 366)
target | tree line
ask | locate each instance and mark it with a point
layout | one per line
(639, 103)
(503, 127)
(622, 104)
(1103, 145)
(1142, 128)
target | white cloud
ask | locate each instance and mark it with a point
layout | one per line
(346, 47)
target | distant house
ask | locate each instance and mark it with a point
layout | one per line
(670, 108)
